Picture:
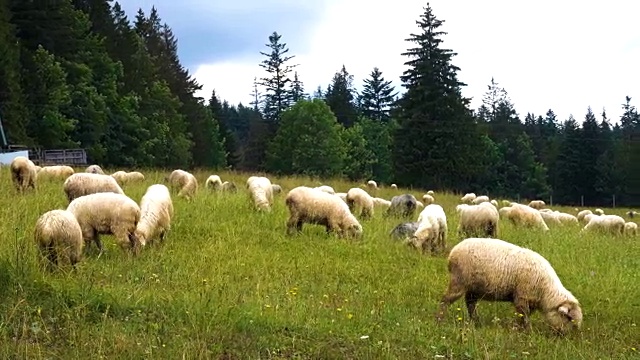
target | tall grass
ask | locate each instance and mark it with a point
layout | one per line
(229, 284)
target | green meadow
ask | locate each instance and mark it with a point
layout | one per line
(229, 284)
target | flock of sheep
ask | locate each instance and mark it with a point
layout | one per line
(480, 267)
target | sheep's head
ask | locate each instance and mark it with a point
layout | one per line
(354, 231)
(565, 317)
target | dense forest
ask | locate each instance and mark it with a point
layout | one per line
(81, 74)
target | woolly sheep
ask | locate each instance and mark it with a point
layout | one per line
(496, 270)
(156, 211)
(432, 229)
(394, 186)
(598, 212)
(632, 213)
(372, 185)
(631, 228)
(55, 171)
(261, 192)
(588, 217)
(277, 189)
(404, 205)
(537, 204)
(343, 196)
(582, 214)
(494, 203)
(80, 184)
(420, 204)
(107, 213)
(380, 202)
(522, 215)
(184, 182)
(123, 177)
(404, 230)
(23, 173)
(428, 199)
(213, 182)
(229, 186)
(38, 168)
(307, 205)
(566, 218)
(59, 238)
(613, 224)
(478, 220)
(468, 198)
(94, 169)
(431, 193)
(480, 199)
(326, 188)
(358, 199)
(550, 218)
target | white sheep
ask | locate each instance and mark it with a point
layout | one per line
(55, 172)
(537, 204)
(480, 199)
(184, 182)
(631, 228)
(23, 173)
(378, 201)
(276, 189)
(326, 188)
(613, 224)
(428, 199)
(420, 205)
(213, 182)
(94, 169)
(394, 186)
(156, 211)
(431, 193)
(229, 186)
(80, 184)
(582, 214)
(495, 203)
(307, 205)
(566, 219)
(107, 213)
(432, 229)
(261, 192)
(343, 196)
(123, 177)
(478, 220)
(468, 198)
(632, 213)
(496, 270)
(550, 218)
(522, 215)
(359, 201)
(598, 212)
(372, 185)
(59, 238)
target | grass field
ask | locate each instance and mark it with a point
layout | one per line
(228, 284)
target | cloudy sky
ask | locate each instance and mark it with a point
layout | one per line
(561, 55)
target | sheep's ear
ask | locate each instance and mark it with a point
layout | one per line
(564, 310)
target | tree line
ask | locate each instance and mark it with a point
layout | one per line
(79, 73)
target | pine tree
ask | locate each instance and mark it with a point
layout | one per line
(377, 97)
(297, 89)
(256, 96)
(340, 97)
(568, 165)
(227, 137)
(277, 96)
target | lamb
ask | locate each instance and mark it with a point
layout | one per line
(55, 171)
(522, 215)
(23, 173)
(277, 189)
(94, 169)
(613, 224)
(80, 184)
(308, 205)
(185, 182)
(213, 182)
(156, 211)
(261, 192)
(480, 199)
(468, 198)
(432, 229)
(631, 228)
(107, 213)
(537, 204)
(428, 199)
(394, 186)
(59, 238)
(326, 188)
(402, 205)
(358, 199)
(496, 270)
(478, 220)
(404, 230)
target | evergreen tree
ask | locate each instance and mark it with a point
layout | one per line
(278, 95)
(359, 158)
(256, 96)
(340, 97)
(568, 165)
(379, 142)
(297, 89)
(630, 152)
(227, 136)
(378, 95)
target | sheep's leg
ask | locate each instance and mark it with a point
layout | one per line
(523, 309)
(96, 239)
(293, 223)
(454, 292)
(471, 300)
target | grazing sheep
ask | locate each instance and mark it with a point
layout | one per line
(107, 213)
(631, 228)
(582, 214)
(525, 216)
(598, 212)
(59, 238)
(80, 184)
(38, 168)
(358, 199)
(537, 204)
(156, 211)
(494, 203)
(23, 173)
(94, 169)
(229, 186)
(566, 219)
(478, 220)
(480, 199)
(631, 214)
(277, 189)
(404, 205)
(55, 172)
(550, 218)
(343, 196)
(326, 188)
(404, 230)
(431, 193)
(468, 198)
(261, 192)
(213, 182)
(372, 185)
(613, 224)
(394, 186)
(432, 229)
(185, 182)
(311, 206)
(380, 202)
(496, 270)
(428, 199)
(123, 177)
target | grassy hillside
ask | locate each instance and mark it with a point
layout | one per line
(229, 284)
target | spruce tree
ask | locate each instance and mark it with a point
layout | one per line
(297, 89)
(277, 97)
(378, 95)
(340, 97)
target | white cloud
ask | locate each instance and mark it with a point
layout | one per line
(547, 54)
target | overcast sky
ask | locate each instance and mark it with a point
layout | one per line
(563, 55)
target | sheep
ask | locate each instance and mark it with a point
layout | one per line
(479, 219)
(213, 182)
(38, 168)
(582, 214)
(432, 229)
(494, 203)
(261, 192)
(468, 198)
(80, 184)
(550, 217)
(598, 212)
(107, 213)
(404, 205)
(343, 196)
(632, 213)
(55, 171)
(326, 188)
(522, 215)
(308, 205)
(404, 230)
(156, 211)
(613, 224)
(496, 270)
(358, 199)
(431, 193)
(229, 186)
(428, 199)
(94, 169)
(185, 182)
(566, 218)
(23, 173)
(277, 189)
(123, 177)
(480, 199)
(380, 202)
(59, 238)
(537, 204)
(631, 228)
(420, 204)
(394, 186)
(372, 185)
